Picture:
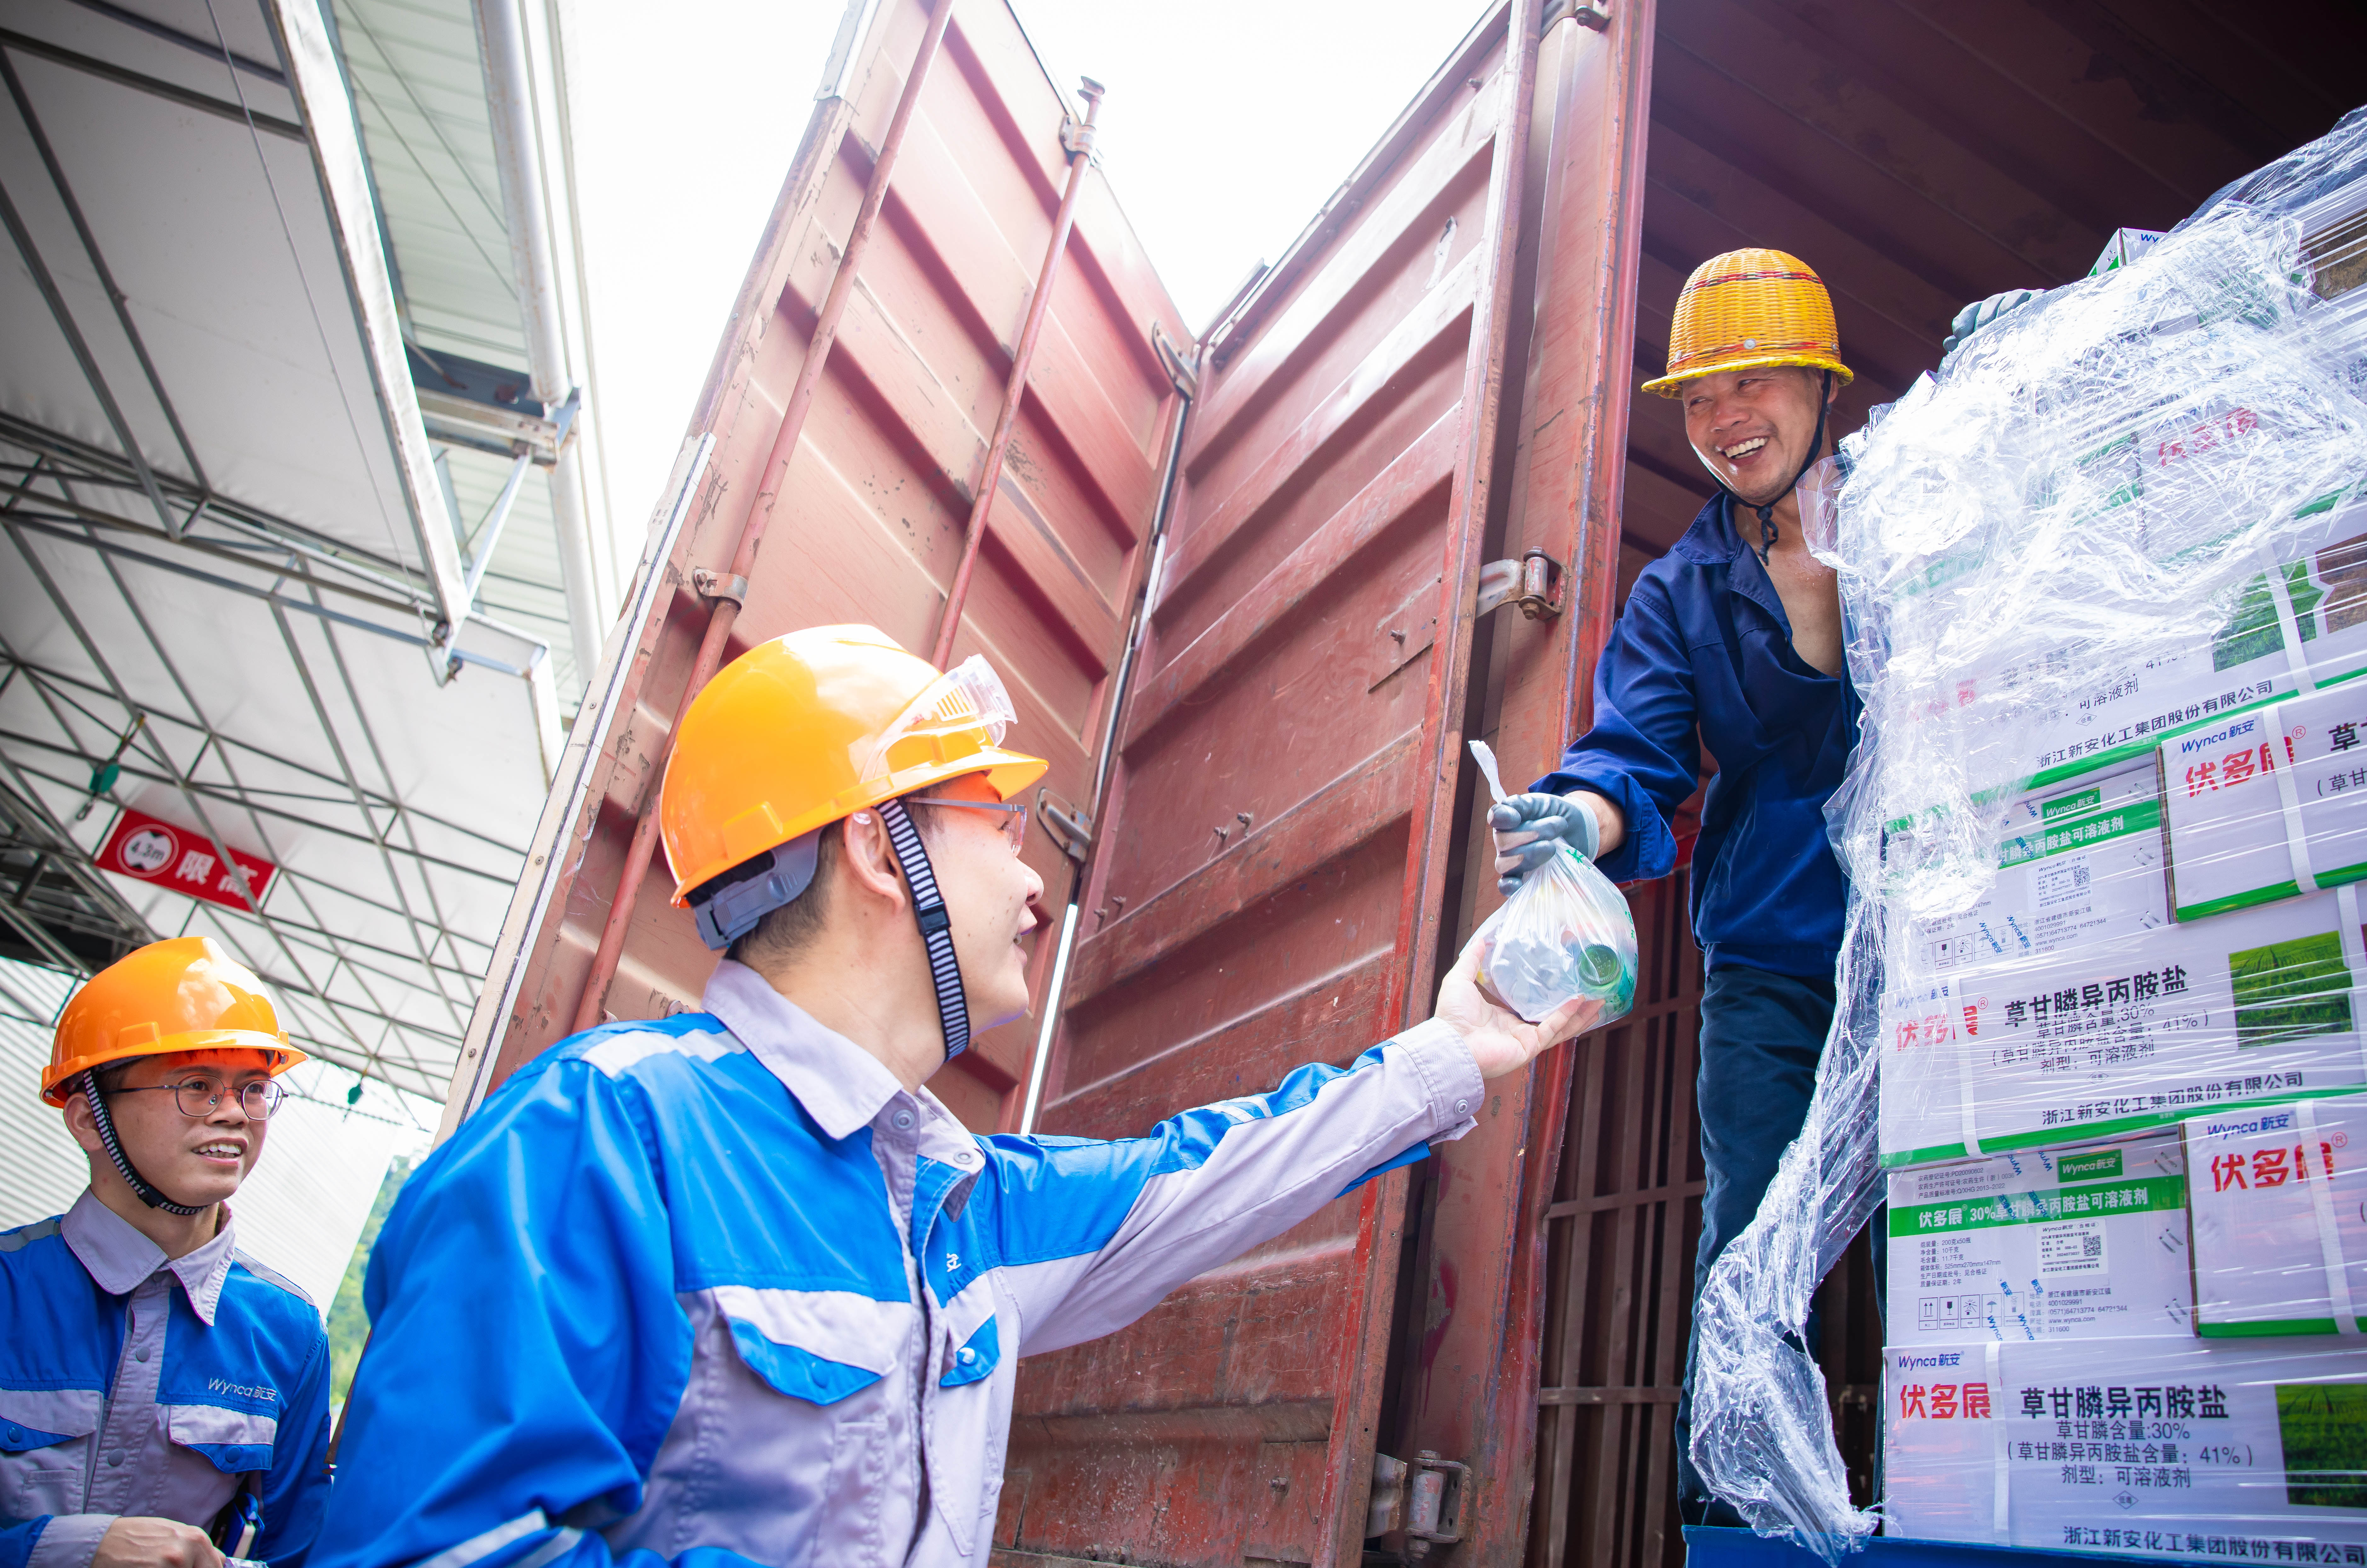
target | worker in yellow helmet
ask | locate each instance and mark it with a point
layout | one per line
(163, 1397)
(1730, 643)
(734, 1286)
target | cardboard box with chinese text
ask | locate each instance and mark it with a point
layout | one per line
(2280, 1219)
(2085, 1242)
(2247, 1451)
(2065, 1003)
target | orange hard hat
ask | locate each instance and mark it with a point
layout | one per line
(184, 993)
(1747, 309)
(810, 728)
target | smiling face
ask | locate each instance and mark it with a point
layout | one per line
(990, 896)
(196, 1160)
(1751, 428)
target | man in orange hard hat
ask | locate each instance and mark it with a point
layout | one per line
(163, 1398)
(1732, 641)
(732, 1286)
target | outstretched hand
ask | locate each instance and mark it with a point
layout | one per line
(1501, 1041)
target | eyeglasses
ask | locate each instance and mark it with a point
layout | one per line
(197, 1097)
(1014, 826)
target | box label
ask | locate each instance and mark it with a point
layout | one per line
(2280, 1218)
(2154, 1448)
(2062, 712)
(2270, 805)
(2075, 1248)
(2039, 1024)
(2090, 1167)
(1995, 1249)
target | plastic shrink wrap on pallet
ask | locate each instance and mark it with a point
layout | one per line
(2119, 536)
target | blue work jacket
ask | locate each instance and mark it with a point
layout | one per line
(720, 1290)
(1704, 654)
(133, 1384)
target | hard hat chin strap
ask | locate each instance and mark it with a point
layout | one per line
(104, 1120)
(1766, 545)
(936, 925)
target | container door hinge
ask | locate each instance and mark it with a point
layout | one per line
(1423, 1499)
(1174, 361)
(1077, 136)
(1530, 584)
(1070, 830)
(1593, 13)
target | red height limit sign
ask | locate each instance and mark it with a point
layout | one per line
(183, 860)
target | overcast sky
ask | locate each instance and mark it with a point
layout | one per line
(1227, 123)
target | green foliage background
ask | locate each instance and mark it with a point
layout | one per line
(348, 1324)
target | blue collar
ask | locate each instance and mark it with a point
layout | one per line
(1711, 540)
(1714, 541)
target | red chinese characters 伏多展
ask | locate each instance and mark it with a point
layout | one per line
(183, 859)
(1944, 1402)
(2267, 1168)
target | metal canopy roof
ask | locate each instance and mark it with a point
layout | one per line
(266, 378)
(420, 95)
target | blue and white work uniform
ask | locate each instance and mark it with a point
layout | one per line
(719, 1289)
(134, 1385)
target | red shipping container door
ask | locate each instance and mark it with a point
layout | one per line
(864, 490)
(1433, 378)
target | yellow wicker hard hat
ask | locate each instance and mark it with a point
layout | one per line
(1748, 309)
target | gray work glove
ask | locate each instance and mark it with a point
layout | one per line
(1527, 826)
(1981, 313)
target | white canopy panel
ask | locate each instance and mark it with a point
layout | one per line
(229, 560)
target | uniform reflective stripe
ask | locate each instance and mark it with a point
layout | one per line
(24, 1234)
(619, 1053)
(551, 1550)
(492, 1541)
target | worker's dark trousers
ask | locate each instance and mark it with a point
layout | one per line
(1760, 1035)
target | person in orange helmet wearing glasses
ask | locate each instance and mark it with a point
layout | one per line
(1731, 643)
(734, 1286)
(163, 1398)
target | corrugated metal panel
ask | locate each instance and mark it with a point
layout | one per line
(419, 98)
(1280, 829)
(1469, 1352)
(44, 1168)
(870, 513)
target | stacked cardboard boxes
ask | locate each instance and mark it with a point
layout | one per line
(2120, 1105)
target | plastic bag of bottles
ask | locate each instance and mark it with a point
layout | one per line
(1565, 933)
